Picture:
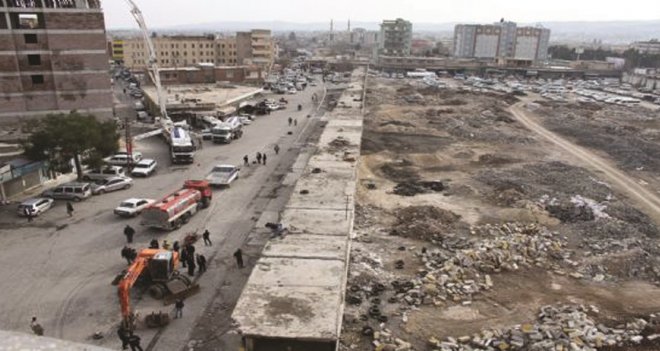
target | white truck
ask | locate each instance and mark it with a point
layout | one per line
(227, 131)
(182, 146)
(222, 175)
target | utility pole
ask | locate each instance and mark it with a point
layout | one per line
(129, 141)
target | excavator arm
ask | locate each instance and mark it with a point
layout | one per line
(125, 285)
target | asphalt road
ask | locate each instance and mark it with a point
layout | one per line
(62, 276)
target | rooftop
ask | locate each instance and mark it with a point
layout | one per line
(214, 96)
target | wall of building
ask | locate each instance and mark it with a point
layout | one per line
(486, 45)
(53, 59)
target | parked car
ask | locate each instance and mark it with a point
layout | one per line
(70, 191)
(206, 134)
(106, 172)
(111, 184)
(244, 120)
(144, 168)
(36, 206)
(132, 207)
(122, 159)
(223, 175)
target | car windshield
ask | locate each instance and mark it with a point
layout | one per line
(102, 182)
(127, 204)
(142, 165)
(222, 169)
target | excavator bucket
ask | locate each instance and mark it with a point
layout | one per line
(157, 320)
(179, 290)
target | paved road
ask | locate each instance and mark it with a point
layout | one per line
(63, 276)
(645, 198)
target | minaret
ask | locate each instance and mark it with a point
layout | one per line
(332, 35)
(349, 25)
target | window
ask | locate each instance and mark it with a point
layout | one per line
(28, 21)
(30, 38)
(37, 79)
(34, 60)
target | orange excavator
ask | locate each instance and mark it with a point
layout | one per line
(159, 267)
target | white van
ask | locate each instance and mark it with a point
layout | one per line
(69, 191)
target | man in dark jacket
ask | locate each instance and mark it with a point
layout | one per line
(239, 258)
(201, 262)
(129, 232)
(134, 343)
(123, 336)
(207, 240)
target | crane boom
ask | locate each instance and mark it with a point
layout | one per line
(152, 64)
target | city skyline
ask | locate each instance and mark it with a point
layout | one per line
(162, 15)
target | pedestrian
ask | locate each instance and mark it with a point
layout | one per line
(277, 149)
(28, 213)
(178, 308)
(124, 93)
(246, 160)
(123, 336)
(201, 262)
(129, 232)
(37, 329)
(175, 246)
(153, 244)
(239, 258)
(184, 256)
(134, 343)
(295, 122)
(126, 253)
(132, 254)
(166, 245)
(191, 264)
(207, 240)
(259, 157)
(290, 120)
(69, 208)
(264, 158)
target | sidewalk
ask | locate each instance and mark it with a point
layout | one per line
(36, 190)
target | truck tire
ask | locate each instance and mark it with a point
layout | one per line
(205, 202)
(185, 218)
(176, 224)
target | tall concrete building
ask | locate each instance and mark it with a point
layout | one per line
(53, 58)
(501, 40)
(255, 47)
(395, 38)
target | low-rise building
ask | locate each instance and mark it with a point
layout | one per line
(651, 47)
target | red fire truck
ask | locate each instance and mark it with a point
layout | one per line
(177, 208)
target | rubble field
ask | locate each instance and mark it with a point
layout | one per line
(471, 233)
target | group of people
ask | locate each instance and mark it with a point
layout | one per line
(129, 339)
(129, 253)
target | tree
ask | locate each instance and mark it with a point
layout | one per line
(59, 138)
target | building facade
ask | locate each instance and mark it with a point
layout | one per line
(651, 47)
(255, 47)
(395, 38)
(503, 40)
(53, 59)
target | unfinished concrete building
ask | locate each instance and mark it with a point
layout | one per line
(52, 59)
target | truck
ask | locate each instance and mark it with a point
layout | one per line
(227, 131)
(182, 148)
(176, 209)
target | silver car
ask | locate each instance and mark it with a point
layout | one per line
(36, 206)
(111, 184)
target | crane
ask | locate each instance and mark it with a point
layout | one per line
(152, 69)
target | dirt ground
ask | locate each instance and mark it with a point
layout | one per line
(442, 170)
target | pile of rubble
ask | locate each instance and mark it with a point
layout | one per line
(558, 328)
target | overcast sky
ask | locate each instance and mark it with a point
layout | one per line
(163, 13)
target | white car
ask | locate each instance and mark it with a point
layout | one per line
(122, 159)
(144, 168)
(132, 207)
(36, 206)
(111, 184)
(223, 175)
(244, 120)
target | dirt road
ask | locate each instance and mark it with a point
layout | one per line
(646, 199)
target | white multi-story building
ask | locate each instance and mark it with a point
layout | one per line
(501, 40)
(395, 38)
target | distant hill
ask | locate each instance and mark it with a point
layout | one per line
(615, 32)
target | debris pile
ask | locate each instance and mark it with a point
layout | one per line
(413, 188)
(427, 223)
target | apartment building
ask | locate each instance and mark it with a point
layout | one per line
(651, 47)
(246, 48)
(501, 40)
(395, 38)
(53, 59)
(171, 51)
(255, 47)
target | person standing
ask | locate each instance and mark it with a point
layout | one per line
(166, 245)
(28, 213)
(184, 256)
(264, 158)
(129, 232)
(37, 329)
(259, 157)
(277, 149)
(295, 122)
(178, 308)
(134, 343)
(69, 208)
(126, 253)
(153, 244)
(175, 246)
(191, 264)
(201, 262)
(290, 121)
(207, 240)
(123, 336)
(239, 258)
(246, 160)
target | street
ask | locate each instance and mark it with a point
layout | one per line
(60, 269)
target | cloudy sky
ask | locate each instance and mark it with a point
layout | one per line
(162, 13)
